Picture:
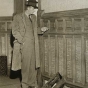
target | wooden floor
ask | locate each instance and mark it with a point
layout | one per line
(6, 82)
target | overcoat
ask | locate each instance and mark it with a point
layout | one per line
(19, 27)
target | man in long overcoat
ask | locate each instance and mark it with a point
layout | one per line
(24, 29)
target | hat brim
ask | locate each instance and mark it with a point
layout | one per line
(33, 4)
(33, 1)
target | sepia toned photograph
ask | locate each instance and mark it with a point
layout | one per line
(43, 44)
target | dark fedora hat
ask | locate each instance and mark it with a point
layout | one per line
(31, 3)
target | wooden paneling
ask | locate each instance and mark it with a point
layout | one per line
(5, 47)
(64, 46)
(18, 6)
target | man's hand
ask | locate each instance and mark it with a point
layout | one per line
(44, 29)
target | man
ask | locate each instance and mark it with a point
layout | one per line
(24, 29)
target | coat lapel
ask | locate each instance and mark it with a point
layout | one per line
(34, 22)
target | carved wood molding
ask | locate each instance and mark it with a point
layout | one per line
(6, 18)
(68, 13)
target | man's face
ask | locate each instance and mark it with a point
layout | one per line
(31, 10)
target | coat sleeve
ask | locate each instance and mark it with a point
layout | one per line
(16, 29)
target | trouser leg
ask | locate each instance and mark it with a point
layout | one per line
(28, 67)
(24, 85)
